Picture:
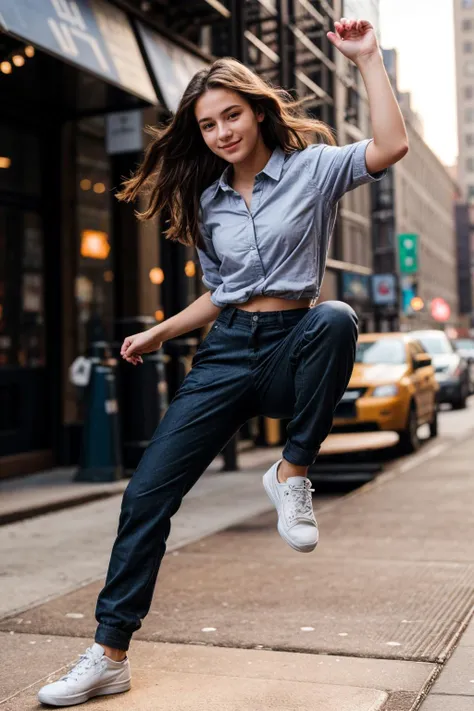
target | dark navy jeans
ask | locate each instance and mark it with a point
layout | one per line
(291, 364)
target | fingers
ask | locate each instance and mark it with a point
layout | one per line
(133, 359)
(334, 38)
(345, 26)
(127, 352)
(125, 346)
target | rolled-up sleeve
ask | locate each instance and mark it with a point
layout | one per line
(210, 263)
(335, 170)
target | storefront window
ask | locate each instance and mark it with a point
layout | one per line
(94, 278)
(22, 323)
(19, 162)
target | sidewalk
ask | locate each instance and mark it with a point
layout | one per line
(241, 622)
(55, 489)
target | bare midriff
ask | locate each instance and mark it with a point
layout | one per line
(272, 303)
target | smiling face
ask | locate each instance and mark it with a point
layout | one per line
(228, 124)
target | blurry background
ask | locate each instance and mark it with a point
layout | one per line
(79, 81)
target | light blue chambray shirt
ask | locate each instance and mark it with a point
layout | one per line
(279, 247)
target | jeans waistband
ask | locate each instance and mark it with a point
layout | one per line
(283, 318)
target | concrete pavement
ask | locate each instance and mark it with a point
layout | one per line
(240, 621)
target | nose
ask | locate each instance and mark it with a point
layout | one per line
(224, 132)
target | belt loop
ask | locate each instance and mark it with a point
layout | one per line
(281, 320)
(233, 311)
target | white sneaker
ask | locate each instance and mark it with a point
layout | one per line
(94, 675)
(296, 521)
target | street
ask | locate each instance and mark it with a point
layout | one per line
(364, 623)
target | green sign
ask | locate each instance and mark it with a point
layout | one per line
(408, 253)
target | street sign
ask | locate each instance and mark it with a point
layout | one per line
(408, 253)
(384, 289)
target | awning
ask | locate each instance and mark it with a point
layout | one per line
(172, 66)
(91, 34)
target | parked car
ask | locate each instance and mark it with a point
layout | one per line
(465, 348)
(393, 388)
(452, 372)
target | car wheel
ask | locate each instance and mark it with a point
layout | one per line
(461, 401)
(409, 440)
(434, 423)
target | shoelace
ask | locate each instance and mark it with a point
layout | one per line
(300, 501)
(86, 661)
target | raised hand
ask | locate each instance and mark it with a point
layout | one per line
(355, 39)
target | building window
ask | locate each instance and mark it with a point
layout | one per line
(470, 139)
(469, 115)
(467, 47)
(470, 192)
(469, 68)
(467, 24)
(470, 165)
(468, 92)
(467, 4)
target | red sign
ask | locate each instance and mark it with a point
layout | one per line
(440, 310)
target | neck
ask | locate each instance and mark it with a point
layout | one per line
(246, 171)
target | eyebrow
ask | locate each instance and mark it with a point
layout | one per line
(234, 106)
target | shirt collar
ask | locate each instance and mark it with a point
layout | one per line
(273, 169)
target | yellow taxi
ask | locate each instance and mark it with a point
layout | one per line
(392, 388)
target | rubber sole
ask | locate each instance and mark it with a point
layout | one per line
(81, 698)
(269, 486)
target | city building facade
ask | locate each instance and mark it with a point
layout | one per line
(464, 49)
(417, 200)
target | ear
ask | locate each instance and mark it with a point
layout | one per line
(259, 113)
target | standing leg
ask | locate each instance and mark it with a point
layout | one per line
(210, 407)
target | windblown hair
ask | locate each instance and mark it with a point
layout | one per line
(178, 165)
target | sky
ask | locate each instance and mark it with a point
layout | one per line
(423, 33)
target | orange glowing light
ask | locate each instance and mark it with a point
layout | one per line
(417, 303)
(190, 269)
(156, 275)
(94, 244)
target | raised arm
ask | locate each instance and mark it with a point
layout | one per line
(357, 41)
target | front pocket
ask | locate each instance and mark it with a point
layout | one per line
(214, 331)
(206, 343)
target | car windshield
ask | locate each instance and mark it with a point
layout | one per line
(464, 343)
(385, 351)
(435, 345)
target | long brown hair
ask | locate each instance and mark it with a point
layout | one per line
(178, 165)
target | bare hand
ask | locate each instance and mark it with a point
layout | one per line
(354, 38)
(134, 346)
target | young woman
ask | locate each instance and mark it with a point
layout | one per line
(237, 175)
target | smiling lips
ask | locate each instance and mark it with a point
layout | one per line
(230, 145)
